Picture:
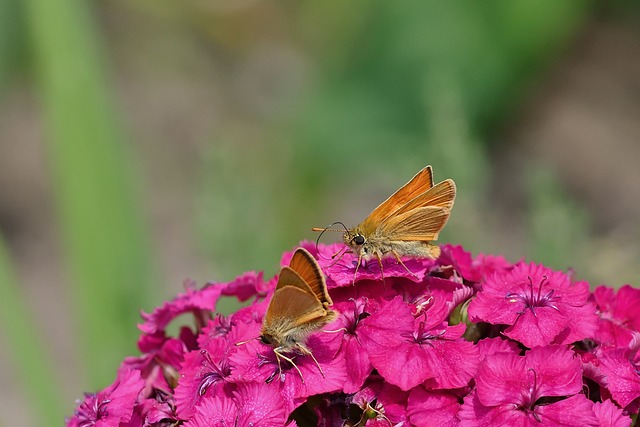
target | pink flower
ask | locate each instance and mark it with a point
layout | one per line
(201, 375)
(539, 305)
(111, 406)
(401, 352)
(346, 335)
(524, 390)
(255, 361)
(252, 404)
(619, 315)
(621, 372)
(161, 361)
(609, 415)
(200, 302)
(407, 351)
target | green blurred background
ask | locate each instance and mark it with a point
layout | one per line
(142, 143)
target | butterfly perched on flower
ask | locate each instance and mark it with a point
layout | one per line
(406, 223)
(299, 306)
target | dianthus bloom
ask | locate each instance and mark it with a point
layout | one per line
(457, 341)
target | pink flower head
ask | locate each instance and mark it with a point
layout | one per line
(618, 314)
(407, 351)
(111, 406)
(252, 404)
(442, 344)
(540, 388)
(539, 305)
(200, 302)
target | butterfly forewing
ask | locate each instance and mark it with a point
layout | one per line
(307, 268)
(424, 223)
(441, 195)
(420, 183)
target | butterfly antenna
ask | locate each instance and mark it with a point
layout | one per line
(322, 230)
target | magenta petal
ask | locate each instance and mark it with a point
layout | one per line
(558, 370)
(243, 287)
(486, 307)
(357, 364)
(501, 378)
(259, 406)
(489, 346)
(587, 327)
(215, 411)
(622, 376)
(474, 414)
(609, 415)
(460, 260)
(438, 408)
(576, 411)
(537, 329)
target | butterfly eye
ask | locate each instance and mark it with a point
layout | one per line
(358, 240)
(265, 340)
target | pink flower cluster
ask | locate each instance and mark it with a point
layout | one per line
(459, 341)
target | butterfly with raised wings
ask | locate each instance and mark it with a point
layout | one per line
(299, 306)
(405, 224)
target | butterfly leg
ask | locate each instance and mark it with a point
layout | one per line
(304, 350)
(403, 264)
(338, 256)
(355, 272)
(379, 257)
(280, 355)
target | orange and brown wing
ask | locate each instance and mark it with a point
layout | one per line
(307, 268)
(424, 224)
(442, 195)
(420, 183)
(291, 306)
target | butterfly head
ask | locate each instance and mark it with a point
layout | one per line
(356, 240)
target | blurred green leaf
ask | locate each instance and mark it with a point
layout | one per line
(102, 229)
(33, 365)
(558, 227)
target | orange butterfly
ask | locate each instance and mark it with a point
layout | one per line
(406, 223)
(299, 306)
